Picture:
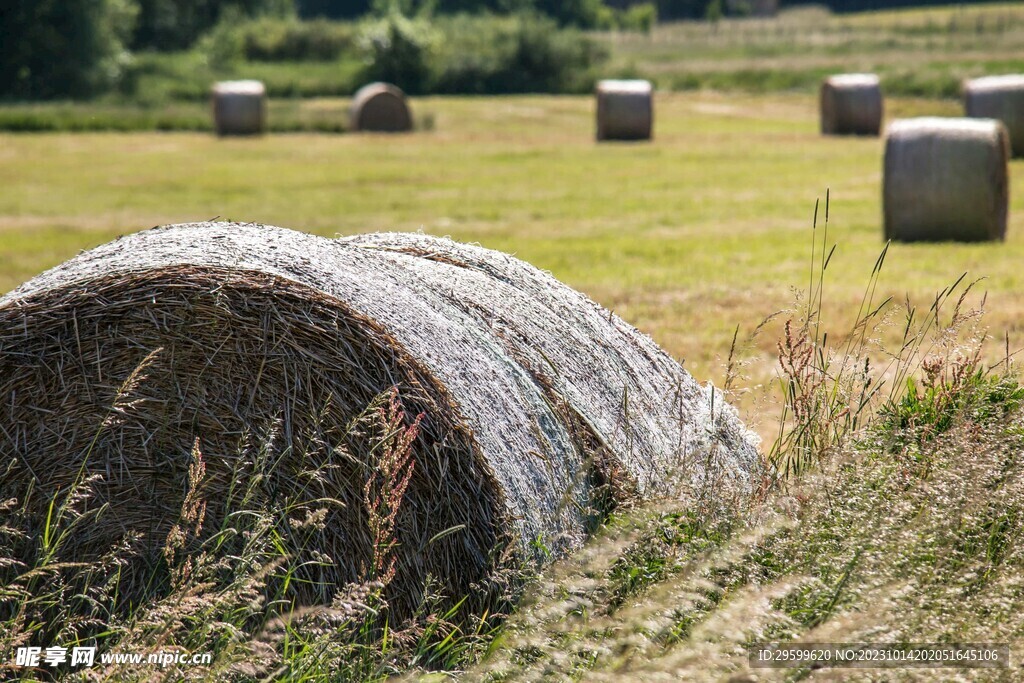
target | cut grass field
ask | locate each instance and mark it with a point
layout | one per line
(705, 229)
(917, 52)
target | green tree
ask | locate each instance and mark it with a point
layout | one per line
(177, 24)
(63, 48)
(582, 13)
(333, 9)
(398, 50)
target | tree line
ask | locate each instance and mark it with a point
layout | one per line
(78, 48)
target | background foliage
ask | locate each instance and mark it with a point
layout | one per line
(63, 47)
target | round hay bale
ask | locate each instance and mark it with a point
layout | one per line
(1002, 98)
(851, 104)
(539, 405)
(239, 108)
(380, 107)
(946, 179)
(625, 110)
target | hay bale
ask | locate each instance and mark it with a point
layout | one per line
(1002, 98)
(239, 107)
(540, 404)
(946, 179)
(380, 107)
(851, 104)
(625, 110)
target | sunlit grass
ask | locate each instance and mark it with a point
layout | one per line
(916, 51)
(703, 229)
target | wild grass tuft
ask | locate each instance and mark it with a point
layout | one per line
(231, 593)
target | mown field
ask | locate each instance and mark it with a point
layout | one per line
(908, 530)
(917, 52)
(706, 228)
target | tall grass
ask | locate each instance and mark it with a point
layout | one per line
(230, 590)
(832, 387)
(893, 515)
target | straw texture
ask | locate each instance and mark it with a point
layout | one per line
(946, 179)
(1002, 98)
(239, 107)
(625, 110)
(851, 104)
(540, 405)
(380, 107)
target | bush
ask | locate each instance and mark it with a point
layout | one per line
(640, 17)
(177, 24)
(581, 13)
(332, 9)
(269, 40)
(516, 54)
(398, 50)
(63, 48)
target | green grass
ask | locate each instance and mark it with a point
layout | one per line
(917, 544)
(284, 116)
(916, 52)
(186, 76)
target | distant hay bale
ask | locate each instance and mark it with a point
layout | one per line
(1001, 98)
(540, 405)
(239, 108)
(851, 104)
(380, 107)
(625, 110)
(946, 179)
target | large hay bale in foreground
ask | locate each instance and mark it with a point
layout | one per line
(851, 104)
(380, 107)
(540, 405)
(625, 110)
(1002, 98)
(946, 179)
(239, 107)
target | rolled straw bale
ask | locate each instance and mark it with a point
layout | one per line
(946, 179)
(1002, 98)
(380, 107)
(625, 110)
(239, 107)
(540, 405)
(851, 104)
